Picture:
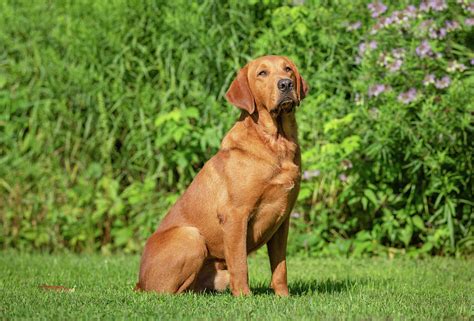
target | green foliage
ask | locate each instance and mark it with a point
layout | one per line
(394, 173)
(108, 109)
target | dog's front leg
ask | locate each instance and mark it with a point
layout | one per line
(277, 253)
(235, 247)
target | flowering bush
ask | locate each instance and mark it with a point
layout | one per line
(109, 109)
(407, 140)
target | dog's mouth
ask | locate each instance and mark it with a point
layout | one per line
(285, 105)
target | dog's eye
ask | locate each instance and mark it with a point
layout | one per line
(288, 69)
(262, 73)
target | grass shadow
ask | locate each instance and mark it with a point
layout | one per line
(305, 287)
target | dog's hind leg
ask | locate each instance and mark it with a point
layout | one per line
(213, 276)
(172, 260)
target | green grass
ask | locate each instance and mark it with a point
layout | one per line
(434, 288)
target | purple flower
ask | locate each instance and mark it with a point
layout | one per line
(382, 22)
(424, 6)
(375, 28)
(376, 8)
(433, 34)
(472, 62)
(395, 65)
(374, 112)
(307, 175)
(346, 164)
(386, 21)
(452, 25)
(362, 48)
(443, 82)
(343, 177)
(455, 66)
(402, 17)
(392, 63)
(354, 26)
(410, 11)
(398, 53)
(377, 89)
(470, 8)
(295, 215)
(425, 25)
(438, 5)
(424, 49)
(383, 59)
(437, 34)
(435, 5)
(397, 16)
(429, 79)
(451, 66)
(442, 33)
(469, 22)
(408, 96)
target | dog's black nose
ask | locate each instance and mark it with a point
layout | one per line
(285, 85)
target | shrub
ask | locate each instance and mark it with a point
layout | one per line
(109, 110)
(395, 168)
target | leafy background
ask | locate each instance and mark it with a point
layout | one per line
(109, 108)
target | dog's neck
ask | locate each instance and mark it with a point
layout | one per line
(279, 132)
(281, 126)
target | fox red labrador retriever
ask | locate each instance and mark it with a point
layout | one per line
(241, 198)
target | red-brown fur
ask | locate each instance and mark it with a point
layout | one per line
(242, 197)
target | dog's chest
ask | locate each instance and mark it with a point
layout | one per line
(274, 204)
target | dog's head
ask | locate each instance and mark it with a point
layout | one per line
(270, 82)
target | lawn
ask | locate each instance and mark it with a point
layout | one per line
(372, 288)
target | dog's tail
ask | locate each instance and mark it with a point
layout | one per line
(137, 287)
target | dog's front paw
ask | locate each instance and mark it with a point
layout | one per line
(241, 292)
(280, 290)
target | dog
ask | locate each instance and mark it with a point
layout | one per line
(242, 197)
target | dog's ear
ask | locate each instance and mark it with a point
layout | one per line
(301, 85)
(239, 93)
